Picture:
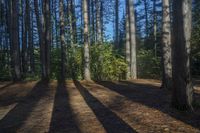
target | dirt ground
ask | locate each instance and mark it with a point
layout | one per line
(93, 107)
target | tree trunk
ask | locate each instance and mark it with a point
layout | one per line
(86, 44)
(182, 87)
(128, 43)
(62, 41)
(166, 47)
(15, 51)
(98, 21)
(132, 40)
(146, 17)
(47, 38)
(155, 27)
(30, 44)
(117, 23)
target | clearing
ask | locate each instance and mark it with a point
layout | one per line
(92, 107)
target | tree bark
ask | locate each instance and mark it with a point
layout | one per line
(166, 47)
(98, 21)
(62, 41)
(127, 42)
(15, 49)
(132, 40)
(86, 44)
(117, 23)
(182, 87)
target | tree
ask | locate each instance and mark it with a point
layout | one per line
(86, 44)
(15, 48)
(117, 23)
(133, 66)
(43, 24)
(127, 43)
(62, 41)
(182, 86)
(166, 47)
(98, 21)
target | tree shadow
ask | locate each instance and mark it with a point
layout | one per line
(110, 121)
(16, 117)
(5, 86)
(62, 117)
(153, 97)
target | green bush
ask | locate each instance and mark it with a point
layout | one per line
(106, 64)
(148, 65)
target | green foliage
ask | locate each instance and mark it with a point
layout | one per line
(106, 64)
(74, 62)
(148, 65)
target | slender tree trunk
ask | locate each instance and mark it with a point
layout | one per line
(128, 43)
(166, 47)
(24, 43)
(62, 41)
(15, 52)
(40, 23)
(86, 44)
(30, 39)
(146, 17)
(98, 21)
(155, 27)
(47, 38)
(117, 23)
(182, 87)
(132, 40)
(43, 24)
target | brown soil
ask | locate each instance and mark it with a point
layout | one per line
(92, 107)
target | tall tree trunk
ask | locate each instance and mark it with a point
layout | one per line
(132, 39)
(128, 43)
(15, 51)
(24, 43)
(40, 23)
(86, 44)
(47, 38)
(98, 21)
(146, 17)
(43, 24)
(30, 38)
(62, 41)
(155, 28)
(166, 47)
(117, 23)
(182, 86)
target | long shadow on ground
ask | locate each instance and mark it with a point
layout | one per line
(16, 117)
(153, 97)
(62, 117)
(5, 86)
(110, 121)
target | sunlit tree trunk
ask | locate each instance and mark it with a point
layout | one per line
(127, 43)
(98, 21)
(182, 87)
(132, 40)
(166, 47)
(86, 44)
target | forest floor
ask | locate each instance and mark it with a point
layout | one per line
(93, 107)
